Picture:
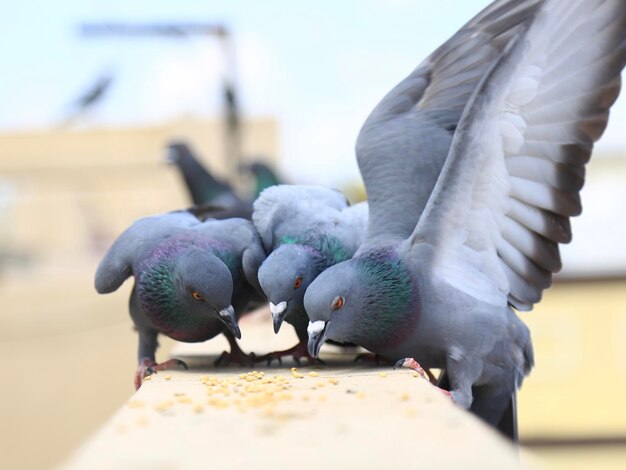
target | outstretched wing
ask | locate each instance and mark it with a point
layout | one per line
(405, 140)
(502, 203)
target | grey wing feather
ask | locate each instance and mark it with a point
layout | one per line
(134, 244)
(405, 140)
(284, 205)
(502, 203)
(241, 234)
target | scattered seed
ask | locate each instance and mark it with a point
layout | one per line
(198, 408)
(314, 374)
(168, 377)
(143, 421)
(164, 405)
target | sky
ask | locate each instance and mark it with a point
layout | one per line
(319, 67)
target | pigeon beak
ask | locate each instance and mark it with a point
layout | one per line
(171, 156)
(317, 334)
(279, 311)
(227, 315)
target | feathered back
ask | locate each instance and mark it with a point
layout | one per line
(287, 203)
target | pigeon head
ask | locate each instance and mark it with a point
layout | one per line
(183, 287)
(284, 277)
(175, 152)
(367, 300)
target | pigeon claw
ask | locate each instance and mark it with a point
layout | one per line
(410, 363)
(236, 356)
(298, 352)
(149, 367)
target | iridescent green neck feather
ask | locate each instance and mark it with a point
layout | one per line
(389, 298)
(160, 292)
(329, 249)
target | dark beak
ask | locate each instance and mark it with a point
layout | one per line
(227, 315)
(317, 335)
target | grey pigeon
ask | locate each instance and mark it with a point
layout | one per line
(193, 280)
(438, 280)
(305, 230)
(90, 97)
(203, 187)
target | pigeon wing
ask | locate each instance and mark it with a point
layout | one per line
(516, 166)
(403, 144)
(134, 244)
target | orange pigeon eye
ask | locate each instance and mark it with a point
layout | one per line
(337, 303)
(298, 283)
(196, 295)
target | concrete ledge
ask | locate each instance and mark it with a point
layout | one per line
(334, 416)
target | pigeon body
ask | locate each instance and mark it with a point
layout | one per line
(306, 229)
(525, 88)
(193, 279)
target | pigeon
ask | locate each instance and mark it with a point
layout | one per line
(304, 230)
(263, 175)
(438, 283)
(202, 186)
(90, 97)
(193, 280)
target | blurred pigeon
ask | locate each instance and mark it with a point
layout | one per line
(305, 229)
(437, 282)
(193, 280)
(202, 186)
(264, 177)
(90, 97)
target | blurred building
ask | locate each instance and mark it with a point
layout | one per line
(69, 193)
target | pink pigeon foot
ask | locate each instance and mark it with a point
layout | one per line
(410, 363)
(148, 367)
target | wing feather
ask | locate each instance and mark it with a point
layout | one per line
(516, 164)
(404, 142)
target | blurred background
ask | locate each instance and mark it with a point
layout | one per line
(92, 93)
